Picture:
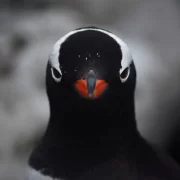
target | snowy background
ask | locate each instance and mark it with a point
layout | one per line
(28, 30)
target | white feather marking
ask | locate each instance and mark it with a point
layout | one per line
(32, 174)
(126, 55)
(57, 79)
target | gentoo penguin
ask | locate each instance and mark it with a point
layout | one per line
(92, 132)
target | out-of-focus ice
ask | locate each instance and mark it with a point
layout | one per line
(150, 28)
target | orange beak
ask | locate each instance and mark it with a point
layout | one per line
(90, 87)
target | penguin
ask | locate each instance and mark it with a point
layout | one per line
(92, 131)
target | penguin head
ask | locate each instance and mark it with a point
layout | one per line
(90, 64)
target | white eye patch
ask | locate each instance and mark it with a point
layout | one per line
(56, 74)
(124, 74)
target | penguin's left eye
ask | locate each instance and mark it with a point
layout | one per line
(125, 74)
(56, 74)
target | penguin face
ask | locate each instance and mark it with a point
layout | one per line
(92, 60)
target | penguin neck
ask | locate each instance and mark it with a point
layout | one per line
(94, 127)
(77, 141)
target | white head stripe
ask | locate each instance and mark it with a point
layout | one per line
(126, 55)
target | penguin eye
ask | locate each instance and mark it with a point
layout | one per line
(57, 75)
(124, 74)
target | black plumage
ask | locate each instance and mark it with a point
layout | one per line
(95, 139)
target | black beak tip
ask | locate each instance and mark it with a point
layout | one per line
(91, 82)
(90, 95)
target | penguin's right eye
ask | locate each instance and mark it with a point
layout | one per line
(56, 74)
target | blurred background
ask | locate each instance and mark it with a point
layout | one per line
(28, 30)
